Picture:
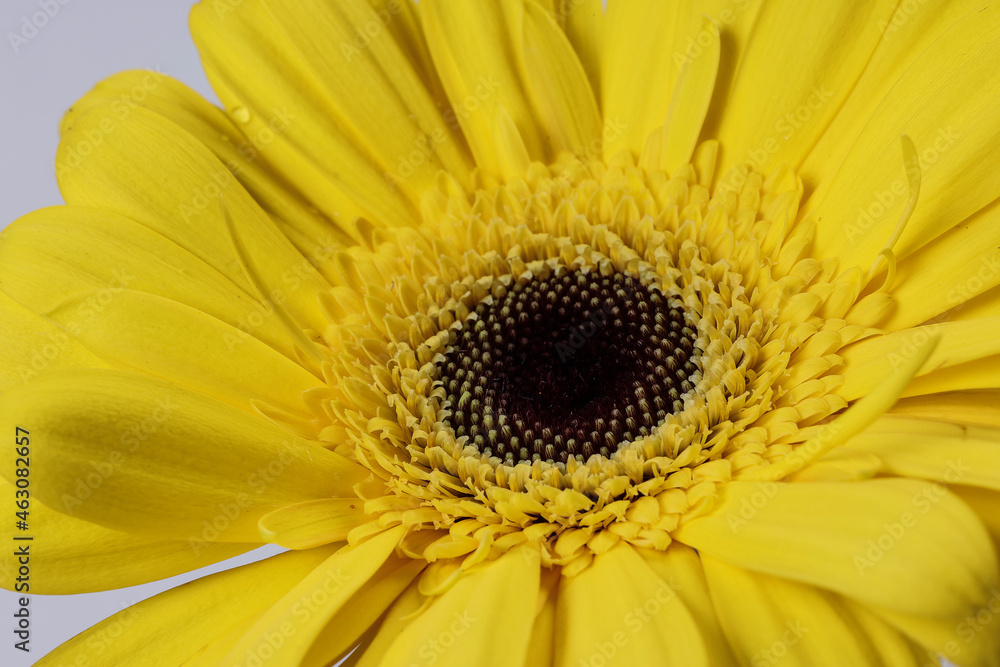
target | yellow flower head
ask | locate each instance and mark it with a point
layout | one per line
(540, 333)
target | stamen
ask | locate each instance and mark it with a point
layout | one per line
(570, 366)
(858, 417)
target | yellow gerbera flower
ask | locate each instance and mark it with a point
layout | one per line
(540, 334)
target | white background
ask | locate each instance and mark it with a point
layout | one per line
(83, 42)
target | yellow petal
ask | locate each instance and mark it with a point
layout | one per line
(950, 453)
(65, 251)
(980, 374)
(973, 640)
(479, 69)
(305, 609)
(312, 523)
(767, 124)
(947, 273)
(689, 104)
(768, 619)
(583, 22)
(62, 547)
(681, 566)
(139, 454)
(986, 504)
(637, 56)
(980, 408)
(177, 343)
(174, 625)
(906, 36)
(558, 86)
(497, 599)
(124, 173)
(892, 647)
(619, 608)
(953, 132)
(896, 543)
(374, 646)
(347, 89)
(361, 613)
(33, 346)
(541, 650)
(245, 157)
(868, 362)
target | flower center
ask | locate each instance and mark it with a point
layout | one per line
(573, 365)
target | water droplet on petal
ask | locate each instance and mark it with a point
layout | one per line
(241, 115)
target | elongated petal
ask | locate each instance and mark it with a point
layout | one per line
(953, 133)
(895, 543)
(244, 156)
(58, 253)
(34, 346)
(361, 613)
(375, 645)
(479, 68)
(62, 547)
(767, 617)
(906, 36)
(867, 362)
(969, 641)
(690, 101)
(980, 374)
(460, 627)
(681, 567)
(943, 452)
(980, 408)
(174, 625)
(204, 470)
(947, 273)
(583, 22)
(180, 344)
(558, 86)
(312, 523)
(619, 606)
(124, 174)
(767, 124)
(316, 57)
(305, 609)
